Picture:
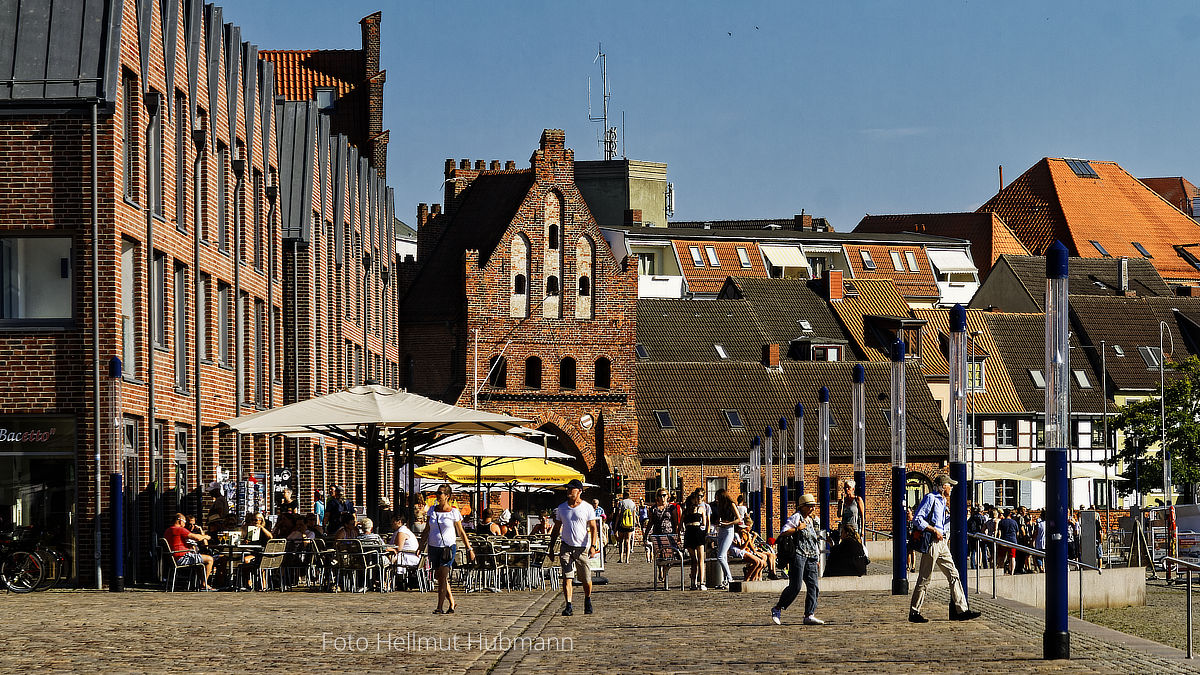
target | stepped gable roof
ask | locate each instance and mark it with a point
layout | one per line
(1177, 190)
(696, 394)
(707, 278)
(1129, 328)
(871, 297)
(1020, 341)
(1058, 199)
(485, 211)
(989, 236)
(686, 330)
(999, 396)
(781, 305)
(1088, 276)
(921, 284)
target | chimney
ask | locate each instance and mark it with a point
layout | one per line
(494, 166)
(422, 214)
(633, 217)
(833, 285)
(510, 165)
(1123, 274)
(770, 355)
(802, 222)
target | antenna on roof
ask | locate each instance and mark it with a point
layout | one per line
(609, 141)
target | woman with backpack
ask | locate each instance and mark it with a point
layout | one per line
(802, 529)
(626, 519)
(695, 531)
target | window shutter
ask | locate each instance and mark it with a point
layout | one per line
(1025, 494)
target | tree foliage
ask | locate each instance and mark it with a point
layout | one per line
(1141, 424)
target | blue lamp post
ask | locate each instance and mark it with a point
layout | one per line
(756, 481)
(799, 448)
(958, 426)
(769, 487)
(784, 483)
(899, 475)
(1056, 640)
(859, 442)
(823, 454)
(117, 494)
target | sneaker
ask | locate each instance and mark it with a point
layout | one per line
(567, 611)
(777, 615)
(587, 605)
(964, 616)
(703, 587)
(915, 617)
(811, 620)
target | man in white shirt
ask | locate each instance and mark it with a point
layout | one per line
(576, 520)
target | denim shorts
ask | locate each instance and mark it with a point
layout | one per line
(190, 558)
(442, 556)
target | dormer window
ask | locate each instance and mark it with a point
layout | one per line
(326, 98)
(711, 252)
(975, 375)
(697, 260)
(826, 353)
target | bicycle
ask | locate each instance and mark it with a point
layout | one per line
(21, 570)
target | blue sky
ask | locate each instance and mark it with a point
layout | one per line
(763, 109)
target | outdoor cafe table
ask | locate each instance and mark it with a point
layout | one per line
(233, 555)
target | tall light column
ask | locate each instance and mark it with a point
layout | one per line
(769, 488)
(858, 404)
(799, 448)
(1056, 640)
(958, 427)
(784, 484)
(756, 481)
(899, 475)
(823, 454)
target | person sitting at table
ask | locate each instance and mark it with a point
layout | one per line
(368, 535)
(194, 527)
(300, 530)
(545, 526)
(312, 522)
(404, 542)
(284, 524)
(348, 528)
(755, 564)
(514, 528)
(180, 539)
(488, 526)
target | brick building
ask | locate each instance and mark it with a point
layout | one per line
(516, 303)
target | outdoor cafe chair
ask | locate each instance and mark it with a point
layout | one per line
(168, 555)
(666, 553)
(271, 561)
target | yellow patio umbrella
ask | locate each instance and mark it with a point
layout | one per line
(529, 471)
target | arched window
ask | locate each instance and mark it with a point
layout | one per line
(498, 372)
(518, 265)
(552, 237)
(552, 285)
(519, 284)
(566, 373)
(585, 255)
(585, 287)
(533, 372)
(603, 373)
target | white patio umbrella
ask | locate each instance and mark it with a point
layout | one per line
(482, 451)
(1077, 471)
(370, 415)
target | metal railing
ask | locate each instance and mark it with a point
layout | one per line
(1033, 552)
(875, 534)
(1188, 568)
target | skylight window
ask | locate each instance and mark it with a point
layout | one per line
(1119, 350)
(805, 324)
(1039, 380)
(868, 263)
(1100, 247)
(697, 260)
(712, 256)
(721, 351)
(1082, 168)
(1151, 356)
(664, 419)
(734, 419)
(1142, 249)
(897, 264)
(1082, 380)
(912, 261)
(640, 351)
(743, 257)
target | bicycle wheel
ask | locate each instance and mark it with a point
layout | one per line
(56, 567)
(23, 571)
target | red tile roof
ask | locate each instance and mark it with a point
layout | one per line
(299, 73)
(990, 238)
(1177, 190)
(707, 278)
(1050, 202)
(919, 285)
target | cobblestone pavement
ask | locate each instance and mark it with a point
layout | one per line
(634, 630)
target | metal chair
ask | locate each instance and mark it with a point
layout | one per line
(168, 556)
(271, 561)
(666, 553)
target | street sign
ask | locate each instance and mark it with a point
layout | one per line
(744, 470)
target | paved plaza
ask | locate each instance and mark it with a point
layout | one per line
(634, 630)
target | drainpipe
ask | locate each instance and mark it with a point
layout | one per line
(199, 137)
(96, 424)
(239, 358)
(152, 104)
(271, 193)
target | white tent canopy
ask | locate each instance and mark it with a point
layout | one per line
(508, 447)
(1077, 470)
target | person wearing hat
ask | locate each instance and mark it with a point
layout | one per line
(805, 561)
(933, 517)
(576, 520)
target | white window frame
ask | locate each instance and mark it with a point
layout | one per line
(697, 259)
(744, 257)
(713, 260)
(911, 259)
(897, 263)
(867, 261)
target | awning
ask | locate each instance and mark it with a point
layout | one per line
(955, 260)
(785, 256)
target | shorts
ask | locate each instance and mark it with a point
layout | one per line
(190, 558)
(442, 556)
(574, 560)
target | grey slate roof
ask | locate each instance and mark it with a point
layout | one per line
(59, 52)
(695, 394)
(779, 305)
(1021, 340)
(1125, 322)
(1088, 276)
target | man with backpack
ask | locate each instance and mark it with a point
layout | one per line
(932, 520)
(626, 520)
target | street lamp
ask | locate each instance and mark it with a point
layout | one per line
(958, 468)
(1056, 640)
(899, 476)
(823, 454)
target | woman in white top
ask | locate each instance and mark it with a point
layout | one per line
(405, 542)
(442, 531)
